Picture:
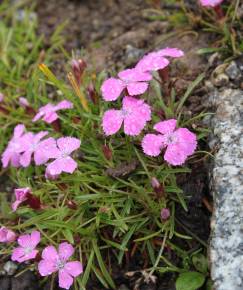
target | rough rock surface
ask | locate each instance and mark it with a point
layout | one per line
(226, 251)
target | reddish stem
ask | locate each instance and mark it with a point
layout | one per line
(219, 11)
(3, 110)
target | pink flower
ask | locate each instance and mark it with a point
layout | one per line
(6, 235)
(134, 113)
(40, 149)
(48, 112)
(210, 3)
(23, 102)
(21, 195)
(16, 145)
(157, 60)
(180, 143)
(26, 250)
(1, 97)
(63, 162)
(53, 261)
(133, 80)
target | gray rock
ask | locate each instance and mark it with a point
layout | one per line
(10, 268)
(133, 54)
(233, 71)
(220, 80)
(123, 287)
(226, 247)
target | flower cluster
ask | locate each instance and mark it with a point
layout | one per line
(135, 113)
(52, 260)
(24, 146)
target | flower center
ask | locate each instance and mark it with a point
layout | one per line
(60, 264)
(28, 250)
(171, 138)
(126, 112)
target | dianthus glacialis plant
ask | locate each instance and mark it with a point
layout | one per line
(135, 113)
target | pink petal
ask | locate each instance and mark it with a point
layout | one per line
(65, 280)
(172, 52)
(152, 62)
(39, 136)
(111, 89)
(137, 106)
(210, 3)
(137, 88)
(37, 116)
(112, 121)
(17, 254)
(1, 97)
(25, 241)
(138, 114)
(59, 165)
(133, 126)
(46, 149)
(74, 268)
(68, 144)
(50, 254)
(29, 256)
(35, 238)
(65, 251)
(152, 144)
(165, 127)
(15, 159)
(134, 75)
(21, 196)
(15, 205)
(47, 109)
(64, 105)
(25, 158)
(21, 193)
(19, 130)
(50, 176)
(186, 140)
(46, 267)
(50, 117)
(6, 157)
(174, 155)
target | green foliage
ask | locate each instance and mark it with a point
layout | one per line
(190, 281)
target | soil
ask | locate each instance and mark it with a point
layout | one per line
(115, 34)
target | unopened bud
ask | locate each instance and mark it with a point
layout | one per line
(78, 67)
(165, 213)
(23, 102)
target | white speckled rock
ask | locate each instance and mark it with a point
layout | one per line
(226, 248)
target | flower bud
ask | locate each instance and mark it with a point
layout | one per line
(165, 213)
(6, 235)
(78, 67)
